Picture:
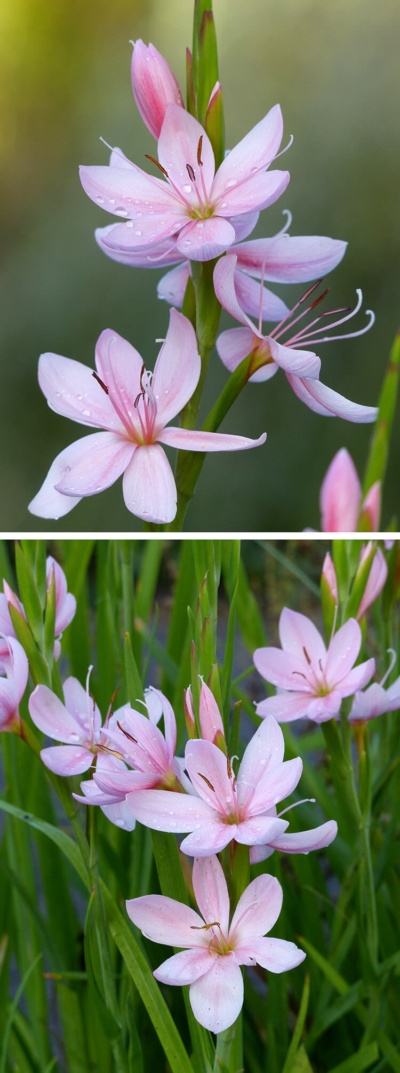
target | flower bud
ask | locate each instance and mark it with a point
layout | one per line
(340, 496)
(154, 86)
(376, 578)
(371, 509)
(212, 727)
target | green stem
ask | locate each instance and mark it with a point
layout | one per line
(229, 1052)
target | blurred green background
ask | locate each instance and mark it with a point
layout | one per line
(64, 82)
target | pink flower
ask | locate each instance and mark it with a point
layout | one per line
(77, 724)
(222, 806)
(134, 408)
(329, 575)
(342, 508)
(65, 604)
(302, 367)
(376, 577)
(213, 948)
(192, 205)
(297, 841)
(154, 85)
(311, 679)
(14, 671)
(133, 739)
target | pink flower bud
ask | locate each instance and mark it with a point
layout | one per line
(329, 575)
(189, 713)
(212, 727)
(371, 508)
(154, 86)
(340, 497)
(376, 580)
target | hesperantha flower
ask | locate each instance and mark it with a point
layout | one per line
(223, 806)
(14, 670)
(134, 408)
(214, 949)
(64, 610)
(343, 509)
(312, 680)
(192, 205)
(76, 724)
(210, 718)
(301, 366)
(154, 85)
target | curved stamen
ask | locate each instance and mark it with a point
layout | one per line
(392, 663)
(346, 335)
(304, 801)
(282, 151)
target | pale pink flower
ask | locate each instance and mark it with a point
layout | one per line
(376, 700)
(191, 205)
(14, 671)
(296, 841)
(76, 723)
(211, 725)
(342, 506)
(134, 408)
(213, 948)
(311, 679)
(329, 574)
(222, 806)
(154, 85)
(302, 367)
(65, 604)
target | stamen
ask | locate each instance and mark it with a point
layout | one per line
(205, 927)
(350, 315)
(199, 148)
(101, 382)
(191, 173)
(157, 163)
(127, 735)
(392, 653)
(278, 330)
(207, 781)
(300, 674)
(304, 801)
(289, 144)
(307, 656)
(115, 693)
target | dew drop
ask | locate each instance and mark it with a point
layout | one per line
(187, 189)
(138, 232)
(112, 200)
(85, 413)
(120, 212)
(129, 223)
(231, 182)
(100, 200)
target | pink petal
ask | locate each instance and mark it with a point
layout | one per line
(211, 891)
(166, 921)
(376, 578)
(178, 146)
(343, 651)
(119, 815)
(8, 703)
(150, 753)
(297, 362)
(235, 344)
(93, 464)
(217, 998)
(49, 503)
(281, 668)
(166, 810)
(116, 241)
(298, 842)
(244, 224)
(16, 665)
(211, 837)
(172, 286)
(184, 968)
(211, 724)
(371, 508)
(130, 192)
(72, 391)
(283, 259)
(252, 154)
(149, 485)
(372, 703)
(67, 759)
(276, 955)
(329, 403)
(197, 440)
(253, 193)
(168, 714)
(265, 751)
(259, 829)
(340, 496)
(250, 294)
(207, 767)
(225, 278)
(357, 678)
(120, 365)
(257, 910)
(202, 240)
(275, 785)
(53, 718)
(177, 369)
(77, 702)
(300, 638)
(284, 707)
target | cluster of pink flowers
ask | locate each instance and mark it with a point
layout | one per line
(190, 211)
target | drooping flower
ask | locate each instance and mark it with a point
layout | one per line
(191, 205)
(222, 806)
(14, 671)
(134, 408)
(311, 679)
(213, 948)
(342, 507)
(154, 85)
(65, 604)
(302, 367)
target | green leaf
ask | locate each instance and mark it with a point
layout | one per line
(37, 664)
(13, 1008)
(62, 840)
(29, 594)
(295, 1041)
(379, 449)
(110, 1025)
(133, 680)
(364, 1058)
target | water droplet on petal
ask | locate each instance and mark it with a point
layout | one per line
(120, 212)
(231, 182)
(187, 189)
(100, 200)
(85, 413)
